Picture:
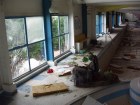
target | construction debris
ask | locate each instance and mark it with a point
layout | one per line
(130, 55)
(68, 72)
(134, 67)
(116, 71)
(115, 66)
(126, 58)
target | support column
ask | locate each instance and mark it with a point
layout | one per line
(117, 23)
(71, 25)
(84, 18)
(113, 22)
(91, 23)
(6, 75)
(110, 22)
(47, 28)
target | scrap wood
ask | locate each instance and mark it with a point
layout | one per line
(126, 58)
(115, 66)
(48, 89)
(131, 55)
(134, 67)
(68, 72)
(116, 71)
(117, 58)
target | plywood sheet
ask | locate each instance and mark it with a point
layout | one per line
(48, 89)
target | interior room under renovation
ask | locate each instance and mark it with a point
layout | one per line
(69, 52)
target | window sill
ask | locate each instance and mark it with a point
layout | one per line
(28, 76)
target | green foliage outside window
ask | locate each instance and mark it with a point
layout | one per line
(59, 30)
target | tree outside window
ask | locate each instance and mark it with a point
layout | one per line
(60, 34)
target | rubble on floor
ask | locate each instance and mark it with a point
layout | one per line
(127, 58)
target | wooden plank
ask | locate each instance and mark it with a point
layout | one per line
(48, 89)
(131, 55)
(65, 73)
(115, 66)
(134, 67)
(126, 58)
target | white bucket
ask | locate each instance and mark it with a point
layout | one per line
(77, 46)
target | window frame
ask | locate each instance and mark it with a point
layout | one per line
(60, 35)
(26, 45)
(100, 24)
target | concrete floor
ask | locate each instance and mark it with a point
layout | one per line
(24, 92)
(132, 48)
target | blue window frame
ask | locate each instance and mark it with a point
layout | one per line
(60, 35)
(26, 43)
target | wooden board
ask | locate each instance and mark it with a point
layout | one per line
(134, 67)
(48, 89)
(115, 66)
(65, 73)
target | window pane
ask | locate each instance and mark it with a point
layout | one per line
(55, 25)
(97, 19)
(63, 24)
(35, 29)
(97, 24)
(97, 29)
(15, 30)
(18, 62)
(64, 41)
(56, 47)
(37, 54)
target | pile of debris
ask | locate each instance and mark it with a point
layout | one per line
(90, 76)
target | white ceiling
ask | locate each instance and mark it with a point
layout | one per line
(108, 1)
(134, 5)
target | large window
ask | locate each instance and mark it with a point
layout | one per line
(60, 35)
(26, 42)
(119, 18)
(99, 24)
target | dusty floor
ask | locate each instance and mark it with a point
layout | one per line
(24, 92)
(127, 56)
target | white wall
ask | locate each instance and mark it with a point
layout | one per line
(22, 7)
(77, 18)
(59, 6)
(108, 1)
